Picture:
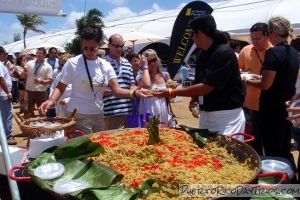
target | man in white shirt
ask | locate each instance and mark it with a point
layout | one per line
(6, 98)
(38, 77)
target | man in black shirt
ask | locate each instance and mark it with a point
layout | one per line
(217, 79)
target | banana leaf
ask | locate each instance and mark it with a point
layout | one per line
(148, 189)
(116, 192)
(119, 192)
(93, 173)
(76, 149)
(200, 135)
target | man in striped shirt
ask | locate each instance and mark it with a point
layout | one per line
(117, 109)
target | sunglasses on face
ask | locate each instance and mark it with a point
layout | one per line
(90, 48)
(117, 45)
(152, 60)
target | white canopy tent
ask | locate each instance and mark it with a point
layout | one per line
(234, 16)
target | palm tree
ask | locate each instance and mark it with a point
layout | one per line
(93, 17)
(30, 23)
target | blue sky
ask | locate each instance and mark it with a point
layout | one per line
(112, 10)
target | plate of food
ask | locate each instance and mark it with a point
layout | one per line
(246, 75)
(155, 91)
(295, 104)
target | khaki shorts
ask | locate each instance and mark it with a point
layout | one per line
(115, 122)
(88, 123)
(35, 97)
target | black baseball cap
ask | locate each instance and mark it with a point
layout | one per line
(203, 21)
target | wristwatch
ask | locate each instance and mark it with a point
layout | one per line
(42, 82)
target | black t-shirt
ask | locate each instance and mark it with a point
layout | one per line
(285, 61)
(218, 67)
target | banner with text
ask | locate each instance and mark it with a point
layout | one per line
(33, 7)
(181, 41)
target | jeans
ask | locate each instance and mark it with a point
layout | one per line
(15, 91)
(7, 115)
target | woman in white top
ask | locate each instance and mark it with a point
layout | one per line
(90, 77)
(65, 97)
(152, 78)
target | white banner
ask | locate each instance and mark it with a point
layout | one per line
(33, 7)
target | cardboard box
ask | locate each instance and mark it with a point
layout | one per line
(15, 155)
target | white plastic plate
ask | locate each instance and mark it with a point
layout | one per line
(49, 171)
(69, 186)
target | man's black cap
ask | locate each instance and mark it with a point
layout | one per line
(203, 21)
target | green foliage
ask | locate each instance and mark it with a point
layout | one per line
(17, 37)
(93, 17)
(153, 130)
(30, 23)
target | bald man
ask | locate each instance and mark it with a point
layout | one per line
(115, 109)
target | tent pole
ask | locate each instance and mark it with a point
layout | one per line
(14, 190)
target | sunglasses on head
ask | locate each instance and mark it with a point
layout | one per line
(90, 48)
(117, 45)
(152, 60)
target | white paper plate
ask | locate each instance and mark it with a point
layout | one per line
(246, 75)
(73, 187)
(295, 104)
(49, 171)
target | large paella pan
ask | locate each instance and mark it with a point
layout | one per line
(139, 169)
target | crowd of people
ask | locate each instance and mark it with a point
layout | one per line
(103, 86)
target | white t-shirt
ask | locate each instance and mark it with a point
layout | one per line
(74, 72)
(5, 74)
(43, 72)
(65, 96)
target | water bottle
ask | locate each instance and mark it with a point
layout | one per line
(61, 111)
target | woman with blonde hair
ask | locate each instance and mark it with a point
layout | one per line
(152, 78)
(277, 82)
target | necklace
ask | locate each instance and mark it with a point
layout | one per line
(154, 77)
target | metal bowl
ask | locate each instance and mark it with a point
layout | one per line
(270, 165)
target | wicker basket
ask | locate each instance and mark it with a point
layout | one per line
(36, 131)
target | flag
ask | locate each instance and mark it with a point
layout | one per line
(181, 41)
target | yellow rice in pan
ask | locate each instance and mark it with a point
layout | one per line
(177, 161)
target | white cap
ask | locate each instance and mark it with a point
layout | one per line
(33, 51)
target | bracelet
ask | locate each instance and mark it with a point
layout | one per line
(170, 91)
(145, 67)
(172, 95)
(131, 93)
(53, 101)
(42, 82)
(9, 94)
(134, 93)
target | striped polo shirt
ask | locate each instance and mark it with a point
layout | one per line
(112, 104)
